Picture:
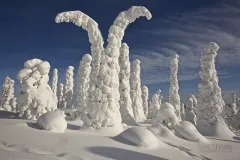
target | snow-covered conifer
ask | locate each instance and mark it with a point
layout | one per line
(7, 94)
(145, 99)
(124, 83)
(182, 111)
(136, 93)
(83, 82)
(36, 95)
(60, 96)
(68, 87)
(189, 113)
(234, 100)
(174, 97)
(103, 100)
(210, 103)
(54, 83)
(155, 105)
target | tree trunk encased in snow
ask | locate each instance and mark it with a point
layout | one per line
(210, 103)
(124, 83)
(68, 87)
(136, 92)
(7, 95)
(54, 83)
(36, 95)
(83, 82)
(174, 97)
(103, 106)
(145, 99)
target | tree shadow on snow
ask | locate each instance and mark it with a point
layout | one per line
(226, 140)
(122, 140)
(73, 127)
(236, 138)
(122, 154)
(33, 125)
(8, 115)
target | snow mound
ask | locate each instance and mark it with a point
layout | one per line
(129, 120)
(140, 136)
(188, 131)
(160, 130)
(52, 121)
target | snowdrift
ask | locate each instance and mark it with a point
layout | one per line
(52, 121)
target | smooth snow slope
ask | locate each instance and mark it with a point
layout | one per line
(21, 140)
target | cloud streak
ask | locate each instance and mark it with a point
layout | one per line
(186, 34)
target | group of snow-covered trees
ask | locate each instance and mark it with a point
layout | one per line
(108, 92)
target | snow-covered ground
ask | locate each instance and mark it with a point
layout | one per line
(22, 140)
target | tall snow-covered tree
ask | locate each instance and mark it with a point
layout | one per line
(136, 92)
(124, 83)
(103, 106)
(174, 97)
(54, 83)
(234, 98)
(83, 82)
(68, 87)
(7, 94)
(210, 103)
(145, 99)
(36, 95)
(155, 105)
(60, 96)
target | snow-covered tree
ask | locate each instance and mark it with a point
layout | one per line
(7, 94)
(136, 93)
(145, 99)
(124, 83)
(234, 98)
(60, 96)
(155, 105)
(103, 100)
(68, 87)
(174, 97)
(83, 82)
(54, 83)
(182, 111)
(189, 113)
(159, 96)
(210, 103)
(36, 95)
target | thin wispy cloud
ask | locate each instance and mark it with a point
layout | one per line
(186, 34)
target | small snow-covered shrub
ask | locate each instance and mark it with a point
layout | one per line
(7, 95)
(52, 121)
(140, 136)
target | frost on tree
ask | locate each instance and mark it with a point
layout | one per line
(68, 87)
(210, 103)
(54, 83)
(174, 97)
(103, 100)
(36, 95)
(190, 116)
(136, 93)
(83, 82)
(7, 96)
(155, 104)
(234, 98)
(124, 84)
(145, 99)
(61, 101)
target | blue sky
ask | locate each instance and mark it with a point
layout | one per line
(28, 30)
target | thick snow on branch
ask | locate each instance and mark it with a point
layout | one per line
(54, 83)
(7, 95)
(83, 82)
(124, 84)
(145, 99)
(174, 97)
(68, 87)
(136, 92)
(36, 95)
(210, 103)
